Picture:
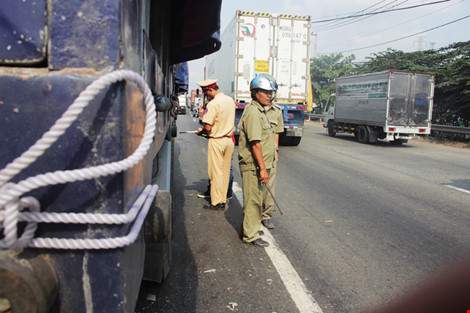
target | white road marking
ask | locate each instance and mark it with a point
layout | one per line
(458, 189)
(291, 279)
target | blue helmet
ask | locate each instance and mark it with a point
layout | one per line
(263, 81)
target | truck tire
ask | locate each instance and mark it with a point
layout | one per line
(331, 128)
(158, 238)
(362, 134)
(372, 134)
(293, 141)
(158, 231)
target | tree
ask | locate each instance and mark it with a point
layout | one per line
(450, 66)
(325, 69)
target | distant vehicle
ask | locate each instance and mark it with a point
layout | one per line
(266, 43)
(182, 103)
(392, 106)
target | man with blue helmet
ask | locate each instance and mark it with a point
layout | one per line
(259, 126)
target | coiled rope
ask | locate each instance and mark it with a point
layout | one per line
(12, 202)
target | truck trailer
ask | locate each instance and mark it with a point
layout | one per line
(392, 106)
(266, 43)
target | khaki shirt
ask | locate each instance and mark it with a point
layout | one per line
(220, 115)
(261, 124)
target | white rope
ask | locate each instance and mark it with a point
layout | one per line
(11, 202)
(104, 243)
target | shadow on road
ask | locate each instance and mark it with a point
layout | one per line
(351, 138)
(234, 215)
(178, 293)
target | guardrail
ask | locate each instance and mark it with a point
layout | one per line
(313, 116)
(450, 129)
(434, 127)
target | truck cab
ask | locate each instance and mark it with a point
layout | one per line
(52, 51)
(329, 115)
(293, 116)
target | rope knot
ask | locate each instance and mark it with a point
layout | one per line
(9, 214)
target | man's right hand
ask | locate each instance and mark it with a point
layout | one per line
(264, 176)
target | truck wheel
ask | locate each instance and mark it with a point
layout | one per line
(331, 129)
(362, 135)
(158, 238)
(372, 135)
(158, 231)
(294, 141)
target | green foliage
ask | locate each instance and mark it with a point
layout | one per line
(325, 69)
(450, 66)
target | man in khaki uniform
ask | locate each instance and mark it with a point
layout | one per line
(274, 114)
(218, 124)
(259, 127)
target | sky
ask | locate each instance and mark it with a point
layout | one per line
(333, 37)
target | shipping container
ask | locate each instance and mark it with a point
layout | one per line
(276, 44)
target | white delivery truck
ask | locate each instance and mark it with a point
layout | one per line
(392, 106)
(266, 43)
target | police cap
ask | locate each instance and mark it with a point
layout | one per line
(207, 83)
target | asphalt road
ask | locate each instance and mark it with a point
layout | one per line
(362, 224)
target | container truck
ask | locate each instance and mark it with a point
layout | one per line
(85, 250)
(266, 43)
(392, 106)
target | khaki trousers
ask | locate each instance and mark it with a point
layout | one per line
(254, 194)
(268, 203)
(219, 159)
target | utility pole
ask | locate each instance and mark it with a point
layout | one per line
(419, 43)
(313, 44)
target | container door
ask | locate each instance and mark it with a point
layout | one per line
(400, 88)
(421, 100)
(255, 35)
(291, 59)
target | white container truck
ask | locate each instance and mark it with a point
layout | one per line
(392, 106)
(266, 43)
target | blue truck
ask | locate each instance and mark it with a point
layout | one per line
(79, 244)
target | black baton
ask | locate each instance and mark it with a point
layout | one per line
(274, 199)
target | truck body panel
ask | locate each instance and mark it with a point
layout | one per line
(265, 43)
(83, 41)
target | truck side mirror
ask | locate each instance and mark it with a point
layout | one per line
(162, 103)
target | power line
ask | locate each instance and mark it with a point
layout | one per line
(359, 19)
(408, 36)
(357, 12)
(370, 34)
(379, 12)
(335, 23)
